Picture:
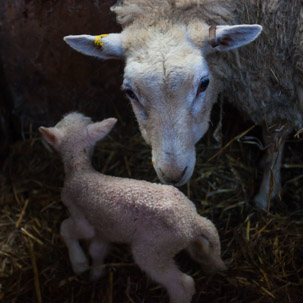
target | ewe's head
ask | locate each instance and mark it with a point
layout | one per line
(169, 84)
(76, 132)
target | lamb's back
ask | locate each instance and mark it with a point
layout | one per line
(121, 208)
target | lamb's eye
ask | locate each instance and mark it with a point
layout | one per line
(203, 85)
(131, 94)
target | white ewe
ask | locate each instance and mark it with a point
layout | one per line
(157, 221)
(176, 64)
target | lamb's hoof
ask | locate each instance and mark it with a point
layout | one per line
(221, 266)
(80, 267)
(96, 274)
(214, 266)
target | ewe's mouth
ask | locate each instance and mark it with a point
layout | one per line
(176, 182)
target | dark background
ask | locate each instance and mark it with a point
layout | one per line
(41, 77)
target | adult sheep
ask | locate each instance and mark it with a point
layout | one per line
(178, 60)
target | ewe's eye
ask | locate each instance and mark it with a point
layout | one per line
(203, 85)
(131, 94)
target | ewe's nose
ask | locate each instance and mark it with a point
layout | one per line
(173, 180)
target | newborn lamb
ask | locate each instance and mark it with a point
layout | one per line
(157, 221)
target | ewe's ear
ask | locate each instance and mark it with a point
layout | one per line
(99, 130)
(102, 46)
(51, 134)
(225, 37)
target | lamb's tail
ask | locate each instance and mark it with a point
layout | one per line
(206, 248)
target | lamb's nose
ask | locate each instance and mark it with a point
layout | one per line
(174, 180)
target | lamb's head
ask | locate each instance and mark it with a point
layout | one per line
(75, 132)
(169, 83)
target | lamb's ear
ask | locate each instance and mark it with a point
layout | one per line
(97, 131)
(102, 46)
(226, 37)
(51, 134)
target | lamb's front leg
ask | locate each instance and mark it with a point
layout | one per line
(71, 232)
(274, 139)
(98, 251)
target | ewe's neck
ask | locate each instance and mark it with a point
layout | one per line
(76, 161)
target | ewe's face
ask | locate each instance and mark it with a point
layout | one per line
(169, 84)
(170, 91)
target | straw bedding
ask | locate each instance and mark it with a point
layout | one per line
(264, 251)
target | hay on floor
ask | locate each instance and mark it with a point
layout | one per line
(264, 251)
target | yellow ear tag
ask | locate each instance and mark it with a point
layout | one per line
(153, 163)
(98, 42)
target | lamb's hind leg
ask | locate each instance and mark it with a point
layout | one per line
(208, 255)
(274, 138)
(71, 233)
(160, 266)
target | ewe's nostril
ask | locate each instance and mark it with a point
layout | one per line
(173, 180)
